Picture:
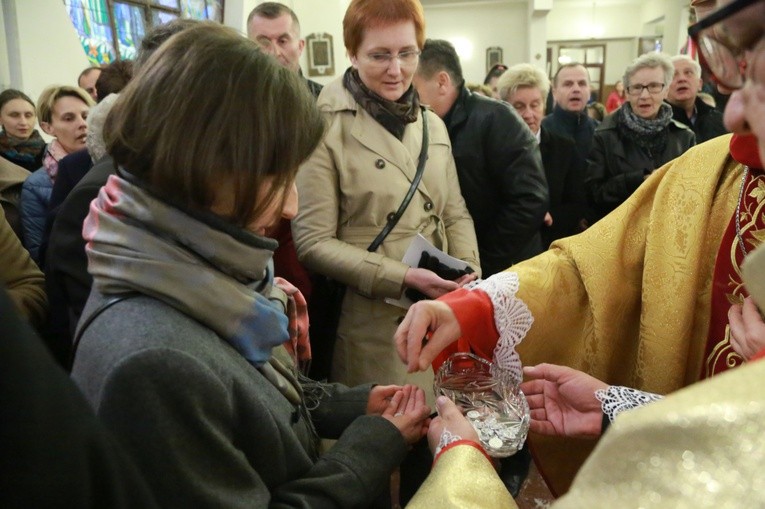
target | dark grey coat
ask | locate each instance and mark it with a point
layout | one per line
(209, 430)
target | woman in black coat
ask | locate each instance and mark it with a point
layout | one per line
(638, 138)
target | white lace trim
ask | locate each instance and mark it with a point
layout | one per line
(512, 318)
(447, 437)
(617, 399)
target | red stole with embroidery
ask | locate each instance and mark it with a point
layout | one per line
(727, 288)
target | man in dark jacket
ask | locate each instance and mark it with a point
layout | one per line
(687, 107)
(275, 27)
(525, 87)
(571, 90)
(498, 161)
(56, 453)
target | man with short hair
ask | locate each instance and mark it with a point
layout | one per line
(571, 89)
(525, 88)
(687, 107)
(276, 28)
(497, 158)
(87, 81)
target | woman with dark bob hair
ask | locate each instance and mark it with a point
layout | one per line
(185, 348)
(357, 180)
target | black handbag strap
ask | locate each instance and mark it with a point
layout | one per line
(409, 194)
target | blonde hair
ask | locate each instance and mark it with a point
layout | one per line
(50, 95)
(522, 76)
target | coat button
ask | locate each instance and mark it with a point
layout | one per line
(380, 164)
(390, 216)
(428, 206)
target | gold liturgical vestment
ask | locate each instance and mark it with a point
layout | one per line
(628, 300)
(703, 447)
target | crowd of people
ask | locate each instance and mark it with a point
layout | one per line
(172, 241)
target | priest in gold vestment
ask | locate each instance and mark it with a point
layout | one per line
(640, 299)
(701, 447)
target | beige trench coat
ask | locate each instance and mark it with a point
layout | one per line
(357, 176)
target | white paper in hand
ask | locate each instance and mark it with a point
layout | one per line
(412, 258)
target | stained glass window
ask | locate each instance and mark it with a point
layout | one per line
(113, 29)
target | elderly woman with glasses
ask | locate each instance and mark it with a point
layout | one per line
(379, 142)
(643, 298)
(638, 138)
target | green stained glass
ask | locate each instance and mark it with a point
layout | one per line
(92, 21)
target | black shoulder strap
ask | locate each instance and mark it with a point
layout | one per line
(412, 189)
(92, 316)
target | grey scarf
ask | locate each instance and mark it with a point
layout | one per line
(648, 134)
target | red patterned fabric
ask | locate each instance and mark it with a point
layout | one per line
(728, 287)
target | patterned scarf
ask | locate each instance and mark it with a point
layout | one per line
(209, 270)
(648, 134)
(392, 115)
(25, 153)
(53, 154)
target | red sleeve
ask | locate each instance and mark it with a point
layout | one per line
(759, 355)
(463, 442)
(475, 314)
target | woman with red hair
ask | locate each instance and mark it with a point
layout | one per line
(355, 183)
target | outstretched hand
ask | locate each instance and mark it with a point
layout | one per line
(426, 316)
(562, 401)
(747, 329)
(380, 397)
(409, 413)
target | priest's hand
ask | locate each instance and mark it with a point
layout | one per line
(747, 329)
(562, 401)
(449, 419)
(424, 317)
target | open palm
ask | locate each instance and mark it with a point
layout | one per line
(562, 401)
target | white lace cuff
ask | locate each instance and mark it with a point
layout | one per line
(617, 399)
(512, 318)
(447, 437)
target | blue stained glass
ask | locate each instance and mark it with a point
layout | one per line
(202, 9)
(91, 21)
(128, 19)
(173, 4)
(162, 17)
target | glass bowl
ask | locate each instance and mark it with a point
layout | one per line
(491, 401)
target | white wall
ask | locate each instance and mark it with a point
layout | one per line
(566, 23)
(502, 24)
(5, 71)
(48, 47)
(49, 51)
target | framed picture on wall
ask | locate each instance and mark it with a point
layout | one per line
(321, 60)
(493, 57)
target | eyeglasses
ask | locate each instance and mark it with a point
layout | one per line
(653, 88)
(718, 54)
(385, 59)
